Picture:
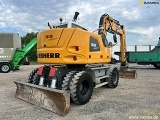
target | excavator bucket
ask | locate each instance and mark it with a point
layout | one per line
(57, 101)
(127, 73)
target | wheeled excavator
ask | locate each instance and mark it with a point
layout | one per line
(76, 62)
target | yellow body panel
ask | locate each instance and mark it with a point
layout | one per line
(71, 46)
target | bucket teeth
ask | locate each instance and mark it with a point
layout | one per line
(57, 101)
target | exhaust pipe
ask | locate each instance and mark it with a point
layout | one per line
(75, 16)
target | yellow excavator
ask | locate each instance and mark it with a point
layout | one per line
(76, 62)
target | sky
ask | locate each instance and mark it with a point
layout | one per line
(142, 23)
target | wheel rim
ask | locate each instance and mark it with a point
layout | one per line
(158, 64)
(84, 87)
(115, 77)
(5, 68)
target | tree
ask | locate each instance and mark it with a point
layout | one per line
(26, 39)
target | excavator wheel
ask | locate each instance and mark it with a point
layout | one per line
(67, 81)
(113, 78)
(32, 75)
(156, 65)
(81, 87)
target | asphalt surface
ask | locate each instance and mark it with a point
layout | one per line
(132, 99)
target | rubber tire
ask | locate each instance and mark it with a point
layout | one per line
(67, 81)
(156, 66)
(26, 63)
(83, 96)
(113, 78)
(32, 75)
(7, 65)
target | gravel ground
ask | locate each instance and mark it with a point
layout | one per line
(132, 99)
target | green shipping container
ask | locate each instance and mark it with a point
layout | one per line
(144, 56)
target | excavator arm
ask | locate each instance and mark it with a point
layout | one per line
(108, 24)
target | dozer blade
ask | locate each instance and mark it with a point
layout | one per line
(57, 101)
(127, 73)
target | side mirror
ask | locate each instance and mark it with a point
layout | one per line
(115, 38)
